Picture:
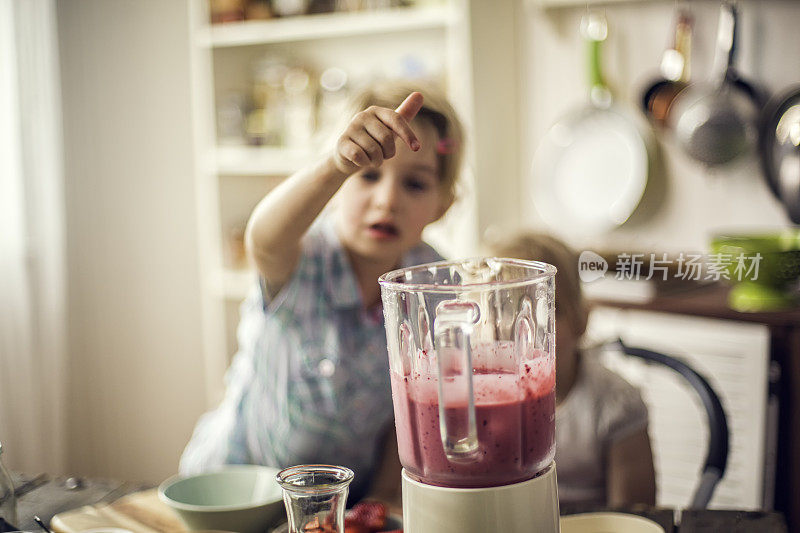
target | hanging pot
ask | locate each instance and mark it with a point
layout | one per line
(779, 148)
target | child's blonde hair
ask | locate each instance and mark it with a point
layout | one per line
(534, 246)
(435, 109)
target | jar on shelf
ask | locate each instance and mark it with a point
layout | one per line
(289, 8)
(265, 122)
(258, 10)
(231, 121)
(333, 96)
(299, 112)
(8, 498)
(321, 6)
(226, 11)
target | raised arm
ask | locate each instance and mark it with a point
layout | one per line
(283, 216)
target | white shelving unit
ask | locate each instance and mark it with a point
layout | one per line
(322, 26)
(554, 4)
(481, 82)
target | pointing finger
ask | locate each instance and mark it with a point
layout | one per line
(410, 106)
(395, 122)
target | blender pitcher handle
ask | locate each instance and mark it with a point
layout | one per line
(452, 329)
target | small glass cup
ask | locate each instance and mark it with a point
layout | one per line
(315, 497)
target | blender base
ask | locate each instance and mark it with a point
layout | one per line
(522, 507)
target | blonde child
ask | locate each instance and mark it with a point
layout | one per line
(602, 447)
(310, 383)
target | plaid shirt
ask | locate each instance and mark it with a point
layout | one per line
(310, 382)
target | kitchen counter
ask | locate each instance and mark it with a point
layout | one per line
(706, 300)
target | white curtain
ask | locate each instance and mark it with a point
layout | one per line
(33, 378)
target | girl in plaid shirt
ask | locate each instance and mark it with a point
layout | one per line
(310, 383)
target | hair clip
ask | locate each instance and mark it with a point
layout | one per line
(445, 146)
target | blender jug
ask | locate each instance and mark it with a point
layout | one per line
(472, 362)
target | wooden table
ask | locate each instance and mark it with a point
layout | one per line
(52, 496)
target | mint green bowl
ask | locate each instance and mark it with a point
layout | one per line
(775, 286)
(241, 498)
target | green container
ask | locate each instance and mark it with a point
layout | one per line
(773, 286)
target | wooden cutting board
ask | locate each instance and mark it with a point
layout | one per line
(140, 512)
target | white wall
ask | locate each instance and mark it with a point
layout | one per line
(134, 320)
(695, 202)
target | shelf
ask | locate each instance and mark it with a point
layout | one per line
(259, 161)
(553, 4)
(231, 175)
(309, 27)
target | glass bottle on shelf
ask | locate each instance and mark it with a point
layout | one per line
(299, 111)
(333, 98)
(265, 123)
(8, 499)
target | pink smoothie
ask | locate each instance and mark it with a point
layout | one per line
(514, 413)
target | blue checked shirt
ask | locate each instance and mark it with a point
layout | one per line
(310, 382)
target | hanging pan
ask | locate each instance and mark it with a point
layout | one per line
(716, 122)
(659, 94)
(591, 168)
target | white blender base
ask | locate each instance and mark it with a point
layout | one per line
(522, 507)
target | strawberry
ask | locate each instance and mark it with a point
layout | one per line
(351, 526)
(314, 526)
(371, 514)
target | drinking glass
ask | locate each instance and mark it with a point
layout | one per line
(315, 497)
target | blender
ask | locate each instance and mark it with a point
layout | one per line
(472, 361)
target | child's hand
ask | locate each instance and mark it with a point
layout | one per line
(369, 139)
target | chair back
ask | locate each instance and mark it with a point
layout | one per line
(718, 445)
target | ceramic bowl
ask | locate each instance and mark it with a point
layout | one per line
(605, 522)
(241, 498)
